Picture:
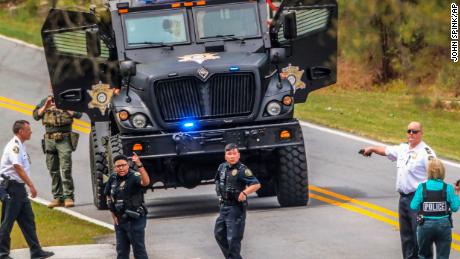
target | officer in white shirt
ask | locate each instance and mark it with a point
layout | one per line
(15, 171)
(411, 163)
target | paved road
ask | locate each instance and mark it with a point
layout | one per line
(352, 212)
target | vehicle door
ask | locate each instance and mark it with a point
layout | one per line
(311, 61)
(82, 62)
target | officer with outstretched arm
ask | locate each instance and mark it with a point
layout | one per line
(411, 163)
(125, 199)
(234, 182)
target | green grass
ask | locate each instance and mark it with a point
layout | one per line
(55, 228)
(383, 116)
(21, 26)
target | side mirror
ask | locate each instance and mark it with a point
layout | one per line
(127, 68)
(277, 55)
(289, 25)
(93, 42)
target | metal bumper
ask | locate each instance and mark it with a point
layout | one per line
(213, 141)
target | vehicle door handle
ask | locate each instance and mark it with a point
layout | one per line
(71, 95)
(317, 73)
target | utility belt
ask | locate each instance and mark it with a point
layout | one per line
(124, 212)
(421, 219)
(12, 188)
(231, 203)
(406, 194)
(57, 135)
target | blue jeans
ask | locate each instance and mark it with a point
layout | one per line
(437, 231)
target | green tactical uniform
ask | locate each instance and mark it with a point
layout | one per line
(58, 148)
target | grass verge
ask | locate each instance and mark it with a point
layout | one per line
(383, 116)
(55, 228)
(21, 27)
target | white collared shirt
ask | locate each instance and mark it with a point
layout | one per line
(15, 153)
(412, 165)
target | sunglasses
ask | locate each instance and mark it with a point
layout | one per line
(410, 131)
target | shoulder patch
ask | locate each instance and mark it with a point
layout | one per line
(16, 149)
(430, 153)
(247, 172)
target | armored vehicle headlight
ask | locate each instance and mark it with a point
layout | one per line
(139, 121)
(274, 108)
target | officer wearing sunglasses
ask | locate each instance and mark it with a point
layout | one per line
(412, 162)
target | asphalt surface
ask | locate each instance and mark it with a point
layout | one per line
(181, 221)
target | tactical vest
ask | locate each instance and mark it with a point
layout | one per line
(56, 118)
(228, 187)
(120, 191)
(435, 202)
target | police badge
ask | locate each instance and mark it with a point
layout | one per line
(294, 75)
(101, 95)
(234, 172)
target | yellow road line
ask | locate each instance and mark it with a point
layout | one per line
(29, 113)
(31, 107)
(385, 211)
(81, 129)
(14, 108)
(359, 210)
(10, 101)
(349, 199)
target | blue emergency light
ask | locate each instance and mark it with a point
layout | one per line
(234, 68)
(189, 125)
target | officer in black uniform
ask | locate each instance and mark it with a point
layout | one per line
(234, 182)
(125, 199)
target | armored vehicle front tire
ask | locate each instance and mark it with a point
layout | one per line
(292, 176)
(99, 173)
(115, 148)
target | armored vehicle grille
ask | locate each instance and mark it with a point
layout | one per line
(223, 95)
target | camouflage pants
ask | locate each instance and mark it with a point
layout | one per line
(59, 163)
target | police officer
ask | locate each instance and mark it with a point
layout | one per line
(412, 163)
(234, 182)
(15, 166)
(57, 145)
(435, 199)
(125, 199)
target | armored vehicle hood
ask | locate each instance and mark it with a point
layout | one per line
(200, 65)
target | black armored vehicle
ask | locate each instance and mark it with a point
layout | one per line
(175, 81)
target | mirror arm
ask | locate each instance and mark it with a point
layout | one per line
(128, 98)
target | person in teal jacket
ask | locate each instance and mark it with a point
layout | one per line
(435, 200)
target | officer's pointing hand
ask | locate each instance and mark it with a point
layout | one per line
(136, 159)
(366, 151)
